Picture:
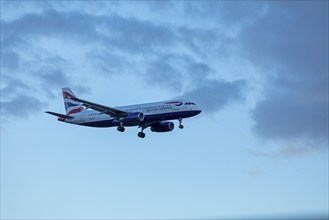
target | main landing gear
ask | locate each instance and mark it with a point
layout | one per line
(180, 123)
(121, 128)
(141, 134)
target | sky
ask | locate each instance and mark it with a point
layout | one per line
(258, 69)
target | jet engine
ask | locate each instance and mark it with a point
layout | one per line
(133, 117)
(163, 127)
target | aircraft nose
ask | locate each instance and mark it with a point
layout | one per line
(198, 111)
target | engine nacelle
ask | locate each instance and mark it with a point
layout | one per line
(133, 117)
(163, 127)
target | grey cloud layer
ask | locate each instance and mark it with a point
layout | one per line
(286, 41)
(15, 100)
(291, 42)
(21, 106)
(118, 38)
(213, 95)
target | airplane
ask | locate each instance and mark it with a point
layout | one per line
(156, 115)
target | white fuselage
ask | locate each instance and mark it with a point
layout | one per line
(157, 115)
(157, 111)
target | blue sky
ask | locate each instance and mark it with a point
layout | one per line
(258, 69)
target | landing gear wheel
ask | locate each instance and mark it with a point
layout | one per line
(121, 129)
(141, 134)
(180, 123)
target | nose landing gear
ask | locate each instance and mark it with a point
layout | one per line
(180, 123)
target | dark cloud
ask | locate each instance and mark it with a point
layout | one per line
(105, 62)
(165, 71)
(9, 59)
(15, 101)
(21, 106)
(161, 54)
(124, 33)
(198, 71)
(292, 34)
(221, 12)
(291, 42)
(203, 42)
(12, 88)
(39, 70)
(289, 114)
(54, 78)
(213, 95)
(173, 71)
(116, 36)
(51, 80)
(133, 35)
(72, 25)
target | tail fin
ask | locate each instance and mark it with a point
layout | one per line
(71, 106)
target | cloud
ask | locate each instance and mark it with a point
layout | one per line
(255, 172)
(290, 44)
(111, 34)
(10, 59)
(290, 149)
(47, 45)
(21, 106)
(127, 34)
(213, 95)
(291, 115)
(13, 87)
(32, 66)
(71, 25)
(182, 73)
(132, 35)
(163, 71)
(262, 154)
(107, 63)
(15, 101)
(287, 35)
(54, 77)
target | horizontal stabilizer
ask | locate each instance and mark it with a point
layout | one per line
(60, 115)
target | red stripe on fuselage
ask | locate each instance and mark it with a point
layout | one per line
(75, 110)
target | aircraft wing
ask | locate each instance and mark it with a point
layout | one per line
(113, 112)
(60, 115)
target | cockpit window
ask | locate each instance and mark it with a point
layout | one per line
(189, 103)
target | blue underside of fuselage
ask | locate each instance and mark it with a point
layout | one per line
(147, 120)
